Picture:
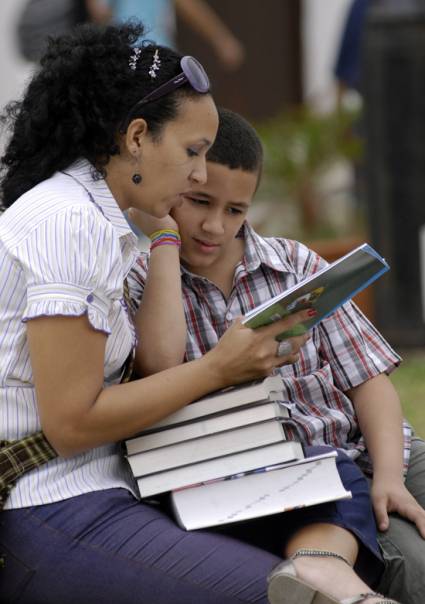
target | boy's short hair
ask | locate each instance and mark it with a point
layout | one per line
(237, 144)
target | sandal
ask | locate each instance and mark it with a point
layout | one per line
(286, 587)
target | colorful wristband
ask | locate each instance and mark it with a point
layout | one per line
(164, 242)
(165, 237)
(168, 232)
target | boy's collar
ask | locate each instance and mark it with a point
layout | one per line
(258, 250)
(262, 250)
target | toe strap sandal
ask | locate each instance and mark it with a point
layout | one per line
(286, 587)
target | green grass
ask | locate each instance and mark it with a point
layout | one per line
(409, 379)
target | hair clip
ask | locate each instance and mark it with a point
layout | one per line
(156, 64)
(135, 55)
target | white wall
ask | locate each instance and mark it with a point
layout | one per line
(322, 26)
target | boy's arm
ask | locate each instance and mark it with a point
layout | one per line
(378, 409)
(160, 320)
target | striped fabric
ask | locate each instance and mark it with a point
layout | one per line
(29, 452)
(345, 349)
(65, 249)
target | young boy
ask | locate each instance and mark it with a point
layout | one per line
(337, 383)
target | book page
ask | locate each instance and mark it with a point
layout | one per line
(308, 482)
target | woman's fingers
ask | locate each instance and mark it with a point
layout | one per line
(248, 353)
(289, 322)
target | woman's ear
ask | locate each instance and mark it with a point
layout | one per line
(136, 133)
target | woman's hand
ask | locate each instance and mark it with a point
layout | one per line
(243, 354)
(393, 496)
(149, 224)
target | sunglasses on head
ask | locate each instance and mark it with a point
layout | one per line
(192, 72)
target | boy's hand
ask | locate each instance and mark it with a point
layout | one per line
(392, 496)
(149, 224)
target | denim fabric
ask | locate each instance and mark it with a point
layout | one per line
(402, 546)
(108, 547)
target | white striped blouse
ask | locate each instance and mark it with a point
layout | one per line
(65, 248)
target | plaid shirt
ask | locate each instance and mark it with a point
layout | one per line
(345, 349)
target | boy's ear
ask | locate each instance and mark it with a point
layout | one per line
(136, 134)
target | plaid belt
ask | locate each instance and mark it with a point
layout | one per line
(19, 457)
(30, 452)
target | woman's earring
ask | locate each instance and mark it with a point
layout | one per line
(136, 178)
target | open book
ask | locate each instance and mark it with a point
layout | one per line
(325, 291)
(265, 491)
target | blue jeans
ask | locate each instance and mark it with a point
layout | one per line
(402, 546)
(108, 547)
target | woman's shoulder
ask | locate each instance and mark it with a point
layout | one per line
(53, 195)
(52, 201)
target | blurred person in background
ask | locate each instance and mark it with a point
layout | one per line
(348, 62)
(160, 19)
(348, 59)
(40, 19)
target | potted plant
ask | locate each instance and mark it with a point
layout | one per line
(301, 147)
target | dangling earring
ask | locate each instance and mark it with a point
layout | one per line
(136, 178)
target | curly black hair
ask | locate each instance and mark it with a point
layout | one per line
(74, 105)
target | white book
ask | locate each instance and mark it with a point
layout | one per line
(304, 483)
(220, 467)
(210, 425)
(268, 389)
(325, 291)
(207, 447)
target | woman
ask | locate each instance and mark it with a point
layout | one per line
(103, 126)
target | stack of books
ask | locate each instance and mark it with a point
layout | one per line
(226, 457)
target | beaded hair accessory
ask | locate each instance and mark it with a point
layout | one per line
(134, 57)
(156, 64)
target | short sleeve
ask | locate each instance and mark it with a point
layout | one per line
(72, 267)
(354, 348)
